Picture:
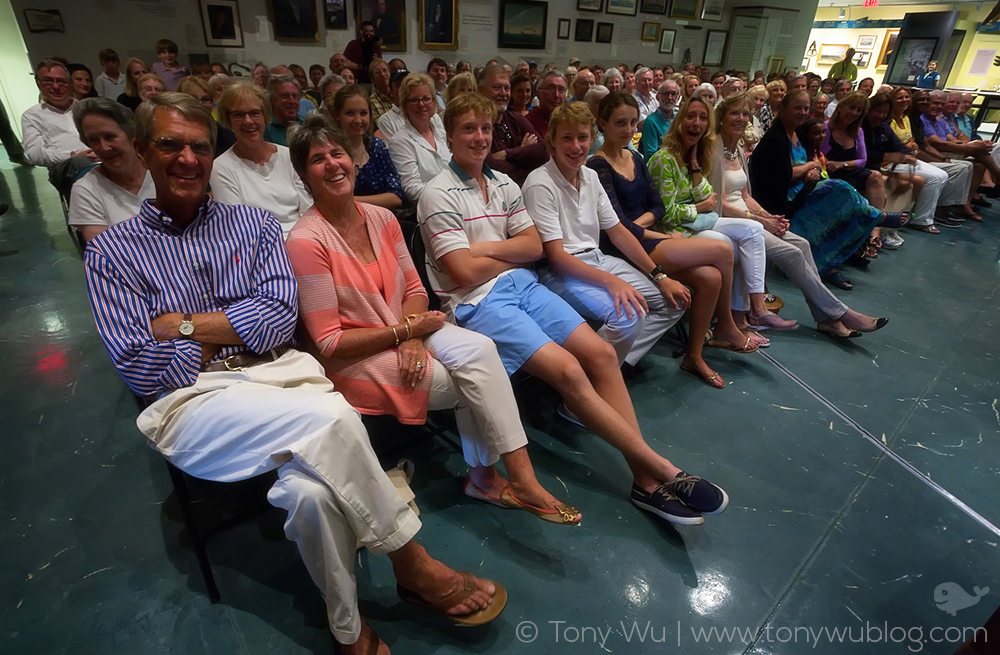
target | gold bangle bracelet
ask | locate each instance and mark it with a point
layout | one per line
(406, 323)
(394, 333)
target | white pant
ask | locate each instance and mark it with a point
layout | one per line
(746, 238)
(470, 378)
(936, 179)
(230, 426)
(631, 337)
(956, 190)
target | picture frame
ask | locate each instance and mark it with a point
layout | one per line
(831, 53)
(862, 59)
(605, 31)
(523, 24)
(622, 7)
(294, 21)
(438, 24)
(866, 42)
(564, 27)
(589, 5)
(776, 65)
(711, 10)
(667, 38)
(888, 47)
(220, 21)
(684, 9)
(715, 47)
(335, 14)
(909, 60)
(650, 31)
(584, 32)
(389, 17)
(44, 20)
(654, 7)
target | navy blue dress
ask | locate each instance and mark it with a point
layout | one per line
(378, 175)
(630, 198)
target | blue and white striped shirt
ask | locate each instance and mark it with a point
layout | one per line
(230, 259)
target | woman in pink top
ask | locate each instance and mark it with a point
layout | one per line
(365, 310)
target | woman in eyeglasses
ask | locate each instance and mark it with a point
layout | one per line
(420, 148)
(254, 172)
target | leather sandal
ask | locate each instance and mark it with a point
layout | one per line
(714, 380)
(479, 617)
(563, 514)
(748, 346)
(373, 642)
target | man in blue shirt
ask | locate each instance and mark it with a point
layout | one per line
(196, 304)
(657, 123)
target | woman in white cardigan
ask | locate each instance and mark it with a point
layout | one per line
(419, 150)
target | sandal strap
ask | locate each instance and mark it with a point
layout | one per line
(455, 598)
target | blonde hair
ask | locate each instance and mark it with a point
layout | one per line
(726, 105)
(145, 78)
(707, 142)
(238, 92)
(776, 85)
(462, 78)
(186, 83)
(462, 104)
(131, 88)
(573, 113)
(757, 93)
(411, 82)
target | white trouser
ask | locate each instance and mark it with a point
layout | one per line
(470, 378)
(230, 426)
(632, 337)
(746, 238)
(956, 190)
(793, 255)
(936, 179)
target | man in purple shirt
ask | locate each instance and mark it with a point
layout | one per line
(516, 149)
(196, 303)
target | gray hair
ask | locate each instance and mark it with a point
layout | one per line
(182, 103)
(595, 92)
(666, 83)
(316, 128)
(278, 80)
(840, 83)
(106, 107)
(938, 93)
(611, 74)
(705, 89)
(644, 69)
(330, 78)
(555, 72)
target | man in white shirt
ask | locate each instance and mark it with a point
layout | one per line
(480, 241)
(50, 136)
(644, 94)
(437, 70)
(842, 88)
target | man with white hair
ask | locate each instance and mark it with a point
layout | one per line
(516, 149)
(657, 123)
(582, 83)
(644, 94)
(840, 89)
(285, 97)
(305, 105)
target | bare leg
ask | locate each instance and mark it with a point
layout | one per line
(857, 321)
(433, 581)
(360, 647)
(522, 480)
(875, 190)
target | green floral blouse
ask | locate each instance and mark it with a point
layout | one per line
(679, 194)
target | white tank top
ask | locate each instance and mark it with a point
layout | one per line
(733, 182)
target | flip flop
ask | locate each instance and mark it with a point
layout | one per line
(479, 617)
(714, 380)
(929, 229)
(748, 346)
(972, 216)
(894, 219)
(373, 644)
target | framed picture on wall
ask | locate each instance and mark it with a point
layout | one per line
(604, 32)
(715, 47)
(44, 20)
(776, 65)
(438, 24)
(650, 31)
(888, 46)
(862, 59)
(294, 20)
(523, 24)
(685, 9)
(912, 55)
(623, 7)
(831, 53)
(389, 18)
(653, 7)
(589, 5)
(563, 33)
(712, 10)
(335, 14)
(221, 21)
(866, 42)
(667, 41)
(584, 30)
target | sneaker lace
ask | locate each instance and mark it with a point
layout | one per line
(684, 483)
(665, 490)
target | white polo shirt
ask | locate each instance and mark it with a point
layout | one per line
(50, 136)
(96, 200)
(561, 212)
(452, 216)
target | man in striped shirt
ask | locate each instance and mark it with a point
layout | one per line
(196, 303)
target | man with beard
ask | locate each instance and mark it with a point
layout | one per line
(516, 149)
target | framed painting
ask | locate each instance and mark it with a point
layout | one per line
(564, 26)
(523, 24)
(776, 65)
(389, 18)
(44, 20)
(862, 59)
(715, 47)
(584, 30)
(623, 7)
(335, 14)
(294, 21)
(604, 32)
(866, 42)
(831, 53)
(888, 46)
(684, 9)
(653, 7)
(589, 5)
(221, 21)
(667, 41)
(911, 57)
(438, 24)
(712, 10)
(650, 31)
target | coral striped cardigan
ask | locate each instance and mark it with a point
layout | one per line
(336, 293)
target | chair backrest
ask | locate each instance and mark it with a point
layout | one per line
(415, 244)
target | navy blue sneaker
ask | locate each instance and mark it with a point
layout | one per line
(665, 504)
(698, 494)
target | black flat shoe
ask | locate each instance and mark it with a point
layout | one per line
(979, 202)
(879, 324)
(836, 279)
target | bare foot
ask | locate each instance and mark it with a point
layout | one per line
(433, 581)
(361, 646)
(855, 321)
(699, 366)
(735, 337)
(489, 480)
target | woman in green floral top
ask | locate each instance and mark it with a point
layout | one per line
(680, 172)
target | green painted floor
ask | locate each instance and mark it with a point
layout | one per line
(825, 532)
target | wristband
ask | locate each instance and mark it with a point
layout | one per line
(660, 276)
(695, 170)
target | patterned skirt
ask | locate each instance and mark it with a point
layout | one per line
(835, 219)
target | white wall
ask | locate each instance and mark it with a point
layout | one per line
(17, 85)
(132, 26)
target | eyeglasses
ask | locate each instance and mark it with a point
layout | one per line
(52, 81)
(423, 100)
(238, 116)
(169, 145)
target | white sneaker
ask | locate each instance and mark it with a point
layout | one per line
(892, 241)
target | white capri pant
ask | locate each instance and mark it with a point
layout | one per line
(936, 179)
(957, 188)
(230, 426)
(469, 377)
(746, 238)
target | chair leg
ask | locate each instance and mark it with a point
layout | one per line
(184, 498)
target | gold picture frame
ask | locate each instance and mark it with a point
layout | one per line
(888, 45)
(650, 31)
(831, 53)
(776, 65)
(437, 30)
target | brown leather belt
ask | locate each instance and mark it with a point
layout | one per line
(241, 361)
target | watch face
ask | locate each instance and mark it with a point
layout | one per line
(186, 328)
